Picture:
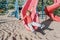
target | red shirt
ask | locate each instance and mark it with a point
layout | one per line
(29, 19)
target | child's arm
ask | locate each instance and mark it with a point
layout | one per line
(23, 18)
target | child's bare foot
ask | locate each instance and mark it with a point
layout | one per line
(34, 32)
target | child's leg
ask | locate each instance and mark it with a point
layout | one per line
(30, 26)
(38, 24)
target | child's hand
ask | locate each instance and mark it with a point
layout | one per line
(20, 21)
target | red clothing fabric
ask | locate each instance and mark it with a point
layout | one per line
(29, 19)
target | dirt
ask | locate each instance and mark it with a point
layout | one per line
(10, 29)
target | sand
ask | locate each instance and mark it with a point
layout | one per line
(10, 29)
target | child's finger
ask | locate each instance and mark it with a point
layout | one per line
(19, 21)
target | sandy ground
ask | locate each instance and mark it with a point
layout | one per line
(10, 29)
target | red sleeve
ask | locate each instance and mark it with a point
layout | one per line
(24, 17)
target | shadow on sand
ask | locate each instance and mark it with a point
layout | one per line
(2, 22)
(47, 24)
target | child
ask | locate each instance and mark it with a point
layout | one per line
(31, 23)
